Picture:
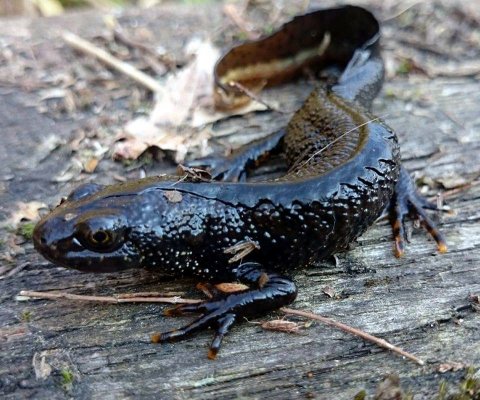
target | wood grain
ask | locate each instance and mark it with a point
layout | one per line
(420, 302)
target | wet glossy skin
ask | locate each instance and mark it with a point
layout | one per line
(343, 172)
(293, 223)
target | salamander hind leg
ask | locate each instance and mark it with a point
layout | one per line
(407, 201)
(267, 292)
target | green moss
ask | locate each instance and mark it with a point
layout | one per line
(26, 230)
(362, 395)
(127, 162)
(468, 389)
(269, 29)
(442, 391)
(241, 36)
(67, 378)
(26, 316)
(405, 67)
(390, 93)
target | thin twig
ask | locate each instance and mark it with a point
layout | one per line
(353, 331)
(148, 294)
(459, 189)
(150, 298)
(15, 270)
(107, 299)
(127, 69)
(256, 97)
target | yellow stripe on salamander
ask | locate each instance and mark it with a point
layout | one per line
(275, 67)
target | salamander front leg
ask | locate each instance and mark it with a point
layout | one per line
(407, 201)
(267, 292)
(234, 167)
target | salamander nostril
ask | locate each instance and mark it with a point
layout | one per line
(43, 240)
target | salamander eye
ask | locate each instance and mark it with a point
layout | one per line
(101, 234)
(100, 238)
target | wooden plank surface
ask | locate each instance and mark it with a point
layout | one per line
(420, 302)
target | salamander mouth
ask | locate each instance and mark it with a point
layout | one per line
(69, 253)
(89, 261)
(86, 260)
(57, 238)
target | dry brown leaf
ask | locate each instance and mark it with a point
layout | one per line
(450, 366)
(141, 133)
(90, 165)
(475, 299)
(192, 174)
(282, 325)
(190, 86)
(40, 366)
(186, 106)
(227, 287)
(26, 212)
(389, 389)
(207, 115)
(329, 291)
(13, 249)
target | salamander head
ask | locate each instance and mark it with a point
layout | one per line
(88, 232)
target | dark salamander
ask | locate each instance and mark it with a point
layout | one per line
(343, 171)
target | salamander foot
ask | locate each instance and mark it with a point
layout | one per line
(222, 311)
(408, 202)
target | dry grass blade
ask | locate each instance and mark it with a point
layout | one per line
(241, 250)
(332, 143)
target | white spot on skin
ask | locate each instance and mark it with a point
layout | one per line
(69, 216)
